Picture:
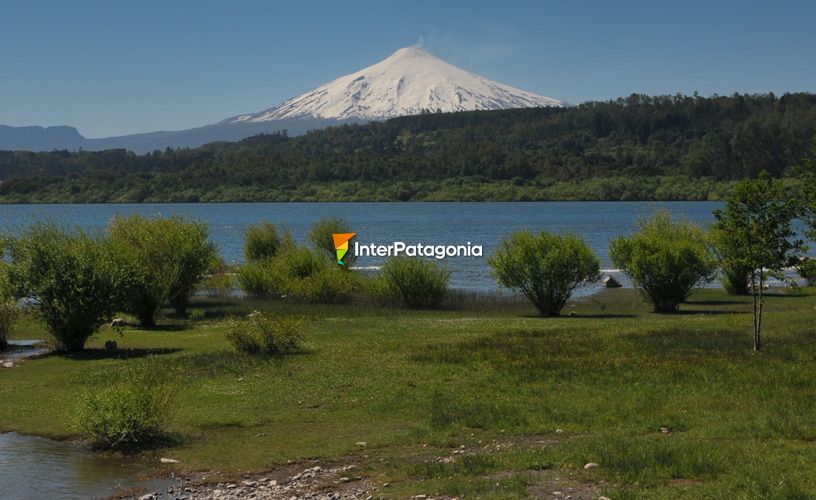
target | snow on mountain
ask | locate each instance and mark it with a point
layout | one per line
(408, 82)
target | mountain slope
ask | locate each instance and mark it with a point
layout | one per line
(39, 138)
(408, 82)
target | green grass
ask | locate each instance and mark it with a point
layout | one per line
(415, 385)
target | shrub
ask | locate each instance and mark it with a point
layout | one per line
(321, 239)
(735, 276)
(262, 333)
(326, 286)
(419, 282)
(735, 279)
(297, 263)
(9, 310)
(131, 413)
(76, 280)
(546, 268)
(198, 314)
(261, 242)
(807, 270)
(665, 259)
(255, 278)
(299, 273)
(377, 289)
(171, 255)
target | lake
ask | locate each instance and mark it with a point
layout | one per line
(382, 223)
(36, 468)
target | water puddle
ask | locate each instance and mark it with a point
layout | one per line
(37, 468)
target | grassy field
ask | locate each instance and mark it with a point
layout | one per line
(530, 399)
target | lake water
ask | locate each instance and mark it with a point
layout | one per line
(382, 223)
(36, 468)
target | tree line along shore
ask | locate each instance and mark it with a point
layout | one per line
(635, 148)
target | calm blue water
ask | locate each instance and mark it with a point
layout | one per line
(429, 223)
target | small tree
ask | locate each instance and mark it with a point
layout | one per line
(757, 219)
(170, 256)
(75, 279)
(546, 268)
(261, 241)
(321, 239)
(665, 259)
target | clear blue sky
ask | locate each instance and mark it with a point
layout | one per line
(114, 67)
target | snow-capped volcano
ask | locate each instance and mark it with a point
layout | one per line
(408, 82)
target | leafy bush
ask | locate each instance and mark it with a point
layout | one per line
(807, 270)
(297, 263)
(419, 282)
(77, 281)
(171, 255)
(326, 286)
(736, 279)
(198, 314)
(261, 242)
(131, 413)
(255, 278)
(735, 276)
(9, 310)
(377, 289)
(546, 268)
(262, 333)
(665, 259)
(297, 272)
(321, 239)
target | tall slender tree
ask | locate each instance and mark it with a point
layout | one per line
(758, 219)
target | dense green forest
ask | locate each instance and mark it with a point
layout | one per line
(640, 147)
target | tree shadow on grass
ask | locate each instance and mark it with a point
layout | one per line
(697, 312)
(714, 302)
(582, 316)
(172, 327)
(97, 354)
(679, 340)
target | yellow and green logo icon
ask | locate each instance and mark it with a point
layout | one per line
(341, 245)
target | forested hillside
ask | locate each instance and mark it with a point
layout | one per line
(670, 147)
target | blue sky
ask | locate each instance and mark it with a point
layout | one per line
(115, 67)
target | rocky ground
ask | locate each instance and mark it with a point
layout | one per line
(310, 481)
(313, 483)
